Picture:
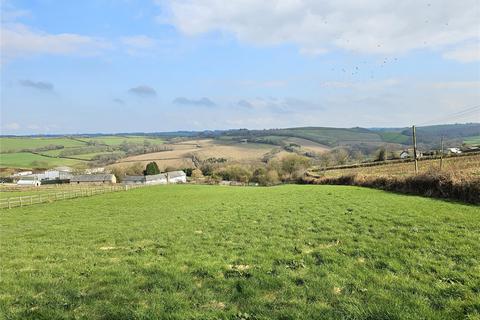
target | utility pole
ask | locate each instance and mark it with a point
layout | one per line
(415, 149)
(441, 155)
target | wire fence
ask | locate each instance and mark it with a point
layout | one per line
(49, 197)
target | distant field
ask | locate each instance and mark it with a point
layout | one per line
(18, 144)
(118, 140)
(473, 140)
(28, 160)
(329, 136)
(203, 149)
(467, 166)
(200, 252)
(394, 137)
(308, 145)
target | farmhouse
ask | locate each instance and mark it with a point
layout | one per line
(404, 155)
(28, 181)
(94, 179)
(176, 177)
(454, 150)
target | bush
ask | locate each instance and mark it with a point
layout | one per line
(293, 167)
(152, 169)
(234, 173)
(197, 174)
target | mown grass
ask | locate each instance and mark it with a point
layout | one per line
(209, 252)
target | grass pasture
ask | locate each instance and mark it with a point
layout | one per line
(210, 252)
(473, 140)
(118, 140)
(30, 160)
(15, 144)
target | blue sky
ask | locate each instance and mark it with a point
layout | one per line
(165, 65)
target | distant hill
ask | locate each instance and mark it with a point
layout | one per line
(333, 137)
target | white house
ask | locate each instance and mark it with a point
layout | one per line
(454, 150)
(404, 155)
(176, 177)
(28, 181)
(22, 174)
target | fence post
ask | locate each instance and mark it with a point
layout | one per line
(31, 200)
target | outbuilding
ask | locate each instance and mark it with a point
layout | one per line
(94, 179)
(29, 181)
(176, 177)
(405, 154)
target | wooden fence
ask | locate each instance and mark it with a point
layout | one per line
(48, 197)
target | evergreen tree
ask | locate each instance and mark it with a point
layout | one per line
(151, 169)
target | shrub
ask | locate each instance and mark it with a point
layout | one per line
(197, 174)
(438, 185)
(152, 169)
(293, 167)
(234, 173)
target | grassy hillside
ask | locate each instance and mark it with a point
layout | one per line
(206, 252)
(12, 144)
(70, 151)
(473, 140)
(468, 166)
(326, 136)
(29, 160)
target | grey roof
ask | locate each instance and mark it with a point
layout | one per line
(155, 177)
(92, 178)
(134, 178)
(176, 174)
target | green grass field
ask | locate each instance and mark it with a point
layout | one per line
(209, 252)
(118, 140)
(29, 160)
(9, 144)
(473, 140)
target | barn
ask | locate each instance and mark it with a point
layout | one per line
(134, 180)
(156, 179)
(94, 179)
(176, 177)
(28, 181)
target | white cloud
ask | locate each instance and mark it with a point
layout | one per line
(456, 85)
(278, 105)
(376, 26)
(20, 40)
(468, 53)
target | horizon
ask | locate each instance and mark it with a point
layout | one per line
(166, 133)
(165, 66)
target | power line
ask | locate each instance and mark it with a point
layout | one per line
(455, 116)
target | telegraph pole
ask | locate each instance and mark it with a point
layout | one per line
(415, 149)
(441, 155)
